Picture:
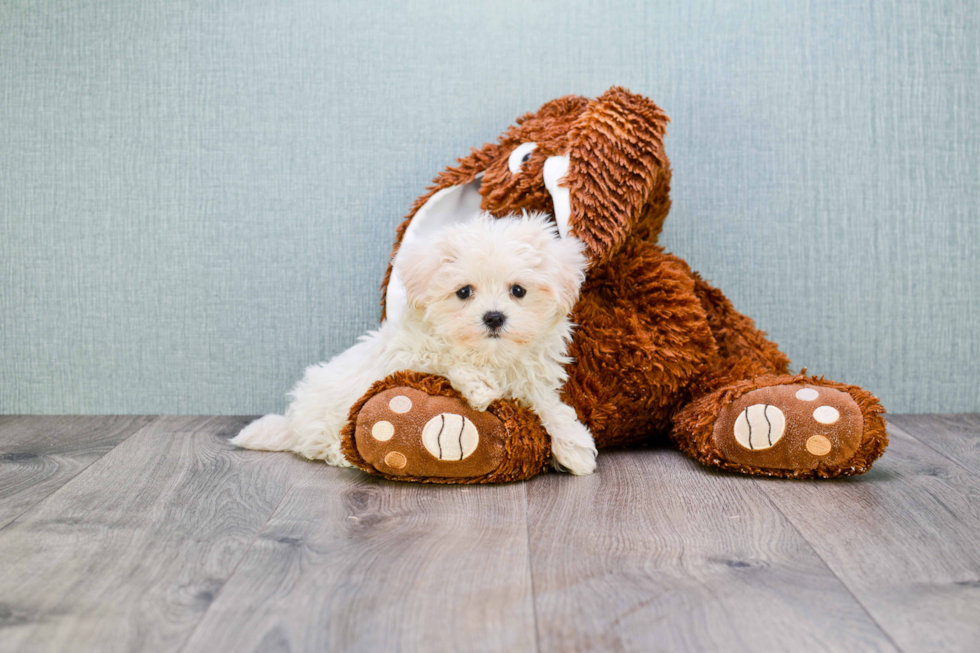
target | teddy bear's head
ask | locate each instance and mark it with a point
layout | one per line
(598, 166)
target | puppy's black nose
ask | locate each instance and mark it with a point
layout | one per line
(494, 319)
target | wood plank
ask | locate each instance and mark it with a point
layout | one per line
(350, 562)
(904, 539)
(39, 454)
(657, 553)
(129, 554)
(955, 436)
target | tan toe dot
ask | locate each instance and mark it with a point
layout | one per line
(400, 404)
(826, 415)
(396, 460)
(818, 445)
(382, 430)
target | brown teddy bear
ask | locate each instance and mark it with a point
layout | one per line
(657, 351)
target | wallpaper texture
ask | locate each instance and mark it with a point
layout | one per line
(197, 199)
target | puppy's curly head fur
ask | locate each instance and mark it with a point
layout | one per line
(493, 284)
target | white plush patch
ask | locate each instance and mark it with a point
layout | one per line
(807, 394)
(382, 430)
(400, 404)
(759, 426)
(450, 437)
(451, 205)
(826, 415)
(555, 169)
(458, 204)
(516, 158)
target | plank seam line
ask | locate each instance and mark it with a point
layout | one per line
(83, 470)
(217, 595)
(530, 568)
(933, 449)
(840, 580)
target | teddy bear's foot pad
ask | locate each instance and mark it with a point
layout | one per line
(406, 432)
(794, 427)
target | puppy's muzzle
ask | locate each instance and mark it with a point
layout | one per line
(494, 320)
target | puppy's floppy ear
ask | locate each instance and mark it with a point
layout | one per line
(415, 265)
(567, 271)
(616, 166)
(418, 262)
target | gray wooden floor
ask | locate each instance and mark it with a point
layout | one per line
(142, 533)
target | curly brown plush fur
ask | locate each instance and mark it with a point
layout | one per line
(658, 351)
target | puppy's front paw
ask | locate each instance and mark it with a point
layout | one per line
(480, 396)
(335, 456)
(574, 451)
(573, 458)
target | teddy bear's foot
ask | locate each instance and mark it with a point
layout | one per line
(415, 427)
(405, 432)
(786, 426)
(795, 426)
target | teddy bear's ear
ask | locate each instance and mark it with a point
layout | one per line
(615, 162)
(453, 198)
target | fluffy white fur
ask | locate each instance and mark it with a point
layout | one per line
(439, 333)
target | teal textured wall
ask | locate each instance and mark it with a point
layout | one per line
(197, 199)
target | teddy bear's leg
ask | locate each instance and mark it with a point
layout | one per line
(416, 427)
(784, 425)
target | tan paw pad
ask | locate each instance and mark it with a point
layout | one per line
(759, 426)
(450, 437)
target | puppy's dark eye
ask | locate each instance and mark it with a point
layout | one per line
(517, 291)
(464, 292)
(527, 157)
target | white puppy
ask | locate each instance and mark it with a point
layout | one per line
(488, 305)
